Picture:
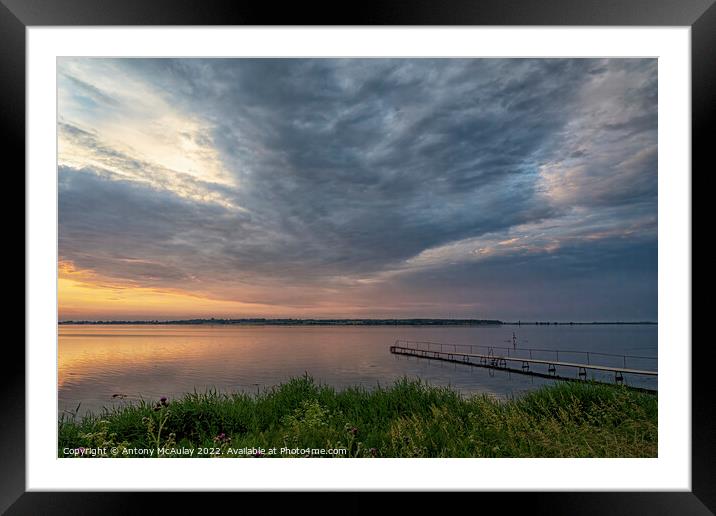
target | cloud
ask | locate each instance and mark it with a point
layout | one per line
(608, 149)
(79, 148)
(305, 182)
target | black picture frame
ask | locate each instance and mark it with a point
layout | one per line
(700, 15)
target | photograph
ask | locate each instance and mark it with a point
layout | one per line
(443, 249)
(357, 257)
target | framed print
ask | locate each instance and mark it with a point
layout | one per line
(441, 249)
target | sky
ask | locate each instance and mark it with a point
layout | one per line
(511, 189)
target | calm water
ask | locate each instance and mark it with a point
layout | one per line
(147, 362)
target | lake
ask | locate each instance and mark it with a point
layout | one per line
(96, 362)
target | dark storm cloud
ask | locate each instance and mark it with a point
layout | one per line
(349, 168)
(435, 147)
(614, 280)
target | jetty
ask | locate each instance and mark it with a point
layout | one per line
(545, 363)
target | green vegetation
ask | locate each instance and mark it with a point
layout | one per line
(408, 419)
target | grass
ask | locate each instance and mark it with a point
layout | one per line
(407, 419)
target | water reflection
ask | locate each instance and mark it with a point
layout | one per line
(97, 362)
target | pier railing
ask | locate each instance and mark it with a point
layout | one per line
(589, 357)
(526, 361)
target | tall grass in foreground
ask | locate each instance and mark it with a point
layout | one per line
(407, 419)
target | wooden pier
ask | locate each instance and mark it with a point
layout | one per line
(507, 361)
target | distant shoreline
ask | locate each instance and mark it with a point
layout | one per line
(353, 322)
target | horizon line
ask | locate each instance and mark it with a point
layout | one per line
(342, 320)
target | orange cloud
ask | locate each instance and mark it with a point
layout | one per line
(82, 294)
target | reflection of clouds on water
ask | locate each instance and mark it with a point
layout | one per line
(145, 362)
